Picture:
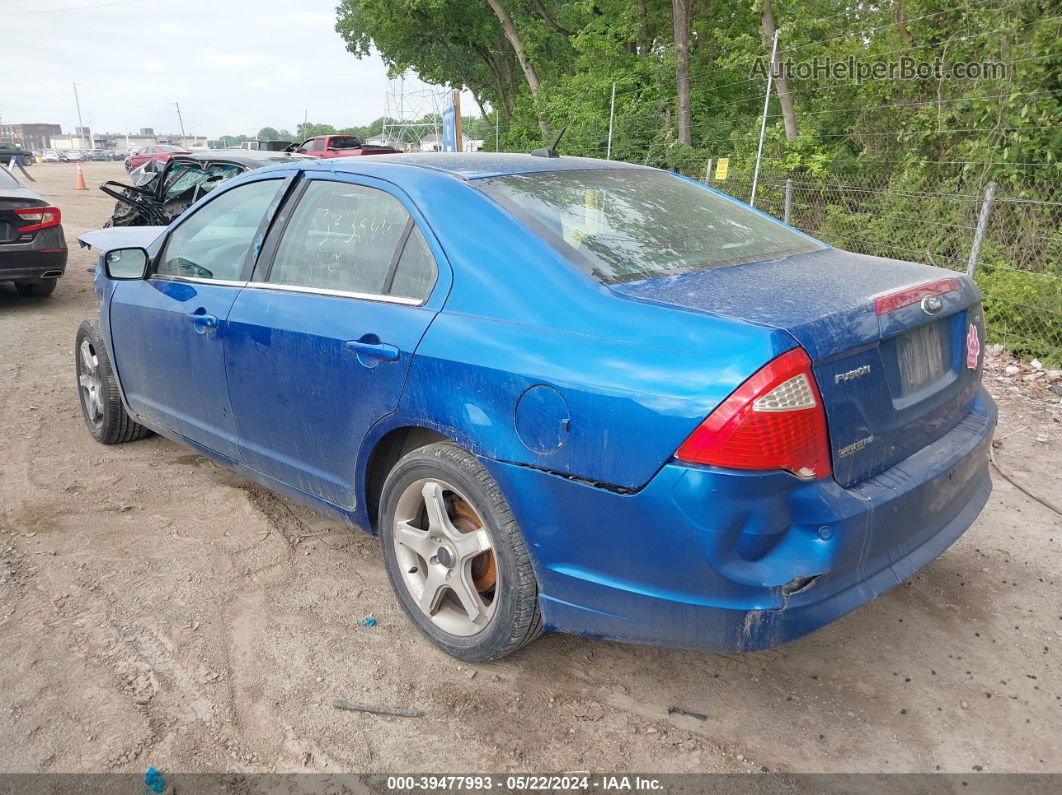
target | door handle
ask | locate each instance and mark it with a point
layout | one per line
(371, 351)
(202, 320)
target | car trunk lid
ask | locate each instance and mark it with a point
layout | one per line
(893, 378)
(10, 221)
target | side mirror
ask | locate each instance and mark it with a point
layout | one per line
(126, 263)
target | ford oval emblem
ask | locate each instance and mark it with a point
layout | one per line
(932, 304)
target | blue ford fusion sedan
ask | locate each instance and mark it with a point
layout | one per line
(567, 394)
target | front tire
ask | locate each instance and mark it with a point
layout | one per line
(101, 405)
(37, 287)
(455, 556)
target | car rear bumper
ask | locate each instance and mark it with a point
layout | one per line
(720, 560)
(43, 257)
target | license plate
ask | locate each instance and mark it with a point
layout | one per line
(7, 232)
(921, 356)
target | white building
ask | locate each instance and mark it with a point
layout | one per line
(125, 143)
(433, 143)
(391, 143)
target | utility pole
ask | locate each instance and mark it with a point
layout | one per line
(457, 122)
(181, 120)
(80, 126)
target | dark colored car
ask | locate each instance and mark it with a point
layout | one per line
(9, 152)
(569, 394)
(161, 192)
(265, 146)
(32, 245)
(341, 146)
(159, 153)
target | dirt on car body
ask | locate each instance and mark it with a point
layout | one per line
(156, 610)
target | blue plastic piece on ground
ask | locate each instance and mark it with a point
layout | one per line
(154, 781)
(369, 621)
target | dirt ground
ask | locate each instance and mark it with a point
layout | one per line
(158, 610)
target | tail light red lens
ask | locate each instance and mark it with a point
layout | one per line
(39, 218)
(775, 420)
(912, 295)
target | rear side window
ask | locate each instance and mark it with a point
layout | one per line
(213, 242)
(340, 237)
(415, 274)
(621, 225)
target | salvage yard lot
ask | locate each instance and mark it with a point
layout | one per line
(158, 610)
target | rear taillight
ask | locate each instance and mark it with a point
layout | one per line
(39, 218)
(775, 420)
(912, 295)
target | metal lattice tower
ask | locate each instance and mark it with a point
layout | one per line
(413, 110)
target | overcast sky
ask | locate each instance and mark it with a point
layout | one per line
(234, 66)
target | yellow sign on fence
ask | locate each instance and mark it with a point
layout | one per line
(722, 167)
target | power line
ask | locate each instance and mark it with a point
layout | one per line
(917, 102)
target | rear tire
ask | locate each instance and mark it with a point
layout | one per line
(101, 404)
(37, 287)
(471, 563)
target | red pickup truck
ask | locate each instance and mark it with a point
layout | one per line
(341, 146)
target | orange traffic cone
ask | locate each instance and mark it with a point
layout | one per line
(79, 183)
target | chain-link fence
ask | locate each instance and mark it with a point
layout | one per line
(1019, 265)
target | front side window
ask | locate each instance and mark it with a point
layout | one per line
(190, 181)
(318, 144)
(340, 237)
(621, 225)
(213, 242)
(180, 178)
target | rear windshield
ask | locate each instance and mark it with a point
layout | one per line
(621, 225)
(7, 181)
(344, 142)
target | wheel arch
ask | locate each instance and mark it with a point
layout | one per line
(381, 459)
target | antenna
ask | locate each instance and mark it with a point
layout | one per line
(551, 151)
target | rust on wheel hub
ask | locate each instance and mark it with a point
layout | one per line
(484, 567)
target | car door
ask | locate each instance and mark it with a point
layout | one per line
(321, 340)
(167, 331)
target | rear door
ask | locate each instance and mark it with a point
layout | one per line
(321, 340)
(168, 331)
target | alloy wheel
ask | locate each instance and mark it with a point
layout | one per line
(88, 378)
(446, 557)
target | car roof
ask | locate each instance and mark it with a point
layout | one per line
(477, 165)
(251, 158)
